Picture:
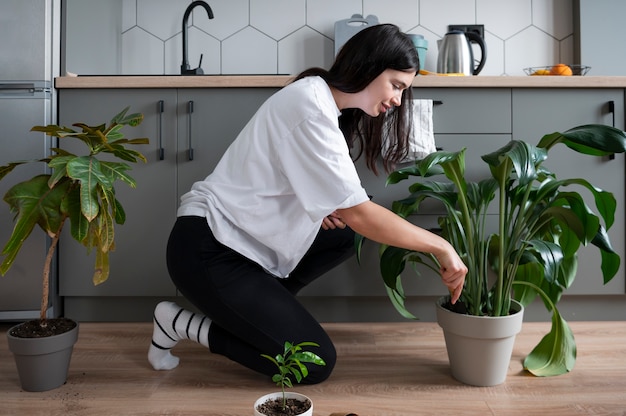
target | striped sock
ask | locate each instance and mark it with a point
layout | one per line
(171, 324)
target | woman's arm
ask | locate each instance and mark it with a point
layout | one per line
(379, 224)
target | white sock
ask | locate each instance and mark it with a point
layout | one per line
(171, 324)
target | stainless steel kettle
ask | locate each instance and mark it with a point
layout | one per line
(456, 55)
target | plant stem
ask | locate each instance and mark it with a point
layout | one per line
(497, 310)
(284, 398)
(46, 275)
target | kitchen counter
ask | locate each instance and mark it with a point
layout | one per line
(253, 81)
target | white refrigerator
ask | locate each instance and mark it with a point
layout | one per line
(29, 62)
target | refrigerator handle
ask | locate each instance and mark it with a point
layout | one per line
(161, 150)
(37, 89)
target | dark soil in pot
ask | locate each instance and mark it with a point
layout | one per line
(39, 329)
(274, 407)
(460, 307)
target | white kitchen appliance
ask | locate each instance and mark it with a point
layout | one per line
(29, 62)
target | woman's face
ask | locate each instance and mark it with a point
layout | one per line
(385, 91)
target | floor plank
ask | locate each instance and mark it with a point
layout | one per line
(383, 369)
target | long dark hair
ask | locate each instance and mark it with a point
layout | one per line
(363, 58)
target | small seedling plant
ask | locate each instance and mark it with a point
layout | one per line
(291, 363)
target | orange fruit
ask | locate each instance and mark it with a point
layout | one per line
(561, 69)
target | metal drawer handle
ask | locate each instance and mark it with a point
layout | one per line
(161, 150)
(612, 111)
(189, 137)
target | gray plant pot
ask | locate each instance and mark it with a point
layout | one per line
(43, 363)
(479, 347)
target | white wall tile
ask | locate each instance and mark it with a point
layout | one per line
(277, 18)
(231, 16)
(504, 18)
(306, 48)
(436, 15)
(249, 52)
(129, 14)
(150, 16)
(494, 65)
(544, 51)
(554, 16)
(286, 36)
(321, 15)
(403, 13)
(142, 53)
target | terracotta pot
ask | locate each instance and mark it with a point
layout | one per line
(279, 395)
(43, 363)
(479, 347)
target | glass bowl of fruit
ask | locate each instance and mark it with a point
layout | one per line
(558, 70)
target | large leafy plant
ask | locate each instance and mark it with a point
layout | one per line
(79, 188)
(541, 224)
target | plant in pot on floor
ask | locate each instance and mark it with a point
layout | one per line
(81, 189)
(541, 223)
(289, 364)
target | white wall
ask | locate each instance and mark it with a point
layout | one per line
(287, 36)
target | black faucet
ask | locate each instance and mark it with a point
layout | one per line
(184, 68)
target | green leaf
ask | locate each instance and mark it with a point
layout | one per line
(6, 169)
(392, 263)
(556, 352)
(101, 268)
(610, 265)
(309, 357)
(79, 224)
(358, 246)
(518, 155)
(133, 120)
(590, 139)
(87, 171)
(397, 300)
(34, 204)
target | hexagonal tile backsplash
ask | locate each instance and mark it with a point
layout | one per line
(287, 36)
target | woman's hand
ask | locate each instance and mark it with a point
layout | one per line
(333, 221)
(453, 272)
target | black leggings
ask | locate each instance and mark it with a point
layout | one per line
(252, 311)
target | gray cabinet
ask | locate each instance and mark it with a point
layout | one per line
(189, 130)
(539, 111)
(208, 121)
(138, 263)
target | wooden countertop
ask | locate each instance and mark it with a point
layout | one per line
(264, 81)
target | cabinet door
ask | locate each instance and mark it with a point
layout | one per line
(208, 122)
(20, 288)
(138, 265)
(537, 112)
(469, 110)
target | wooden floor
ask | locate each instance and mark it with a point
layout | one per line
(382, 369)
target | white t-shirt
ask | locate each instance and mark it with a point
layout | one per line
(289, 168)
